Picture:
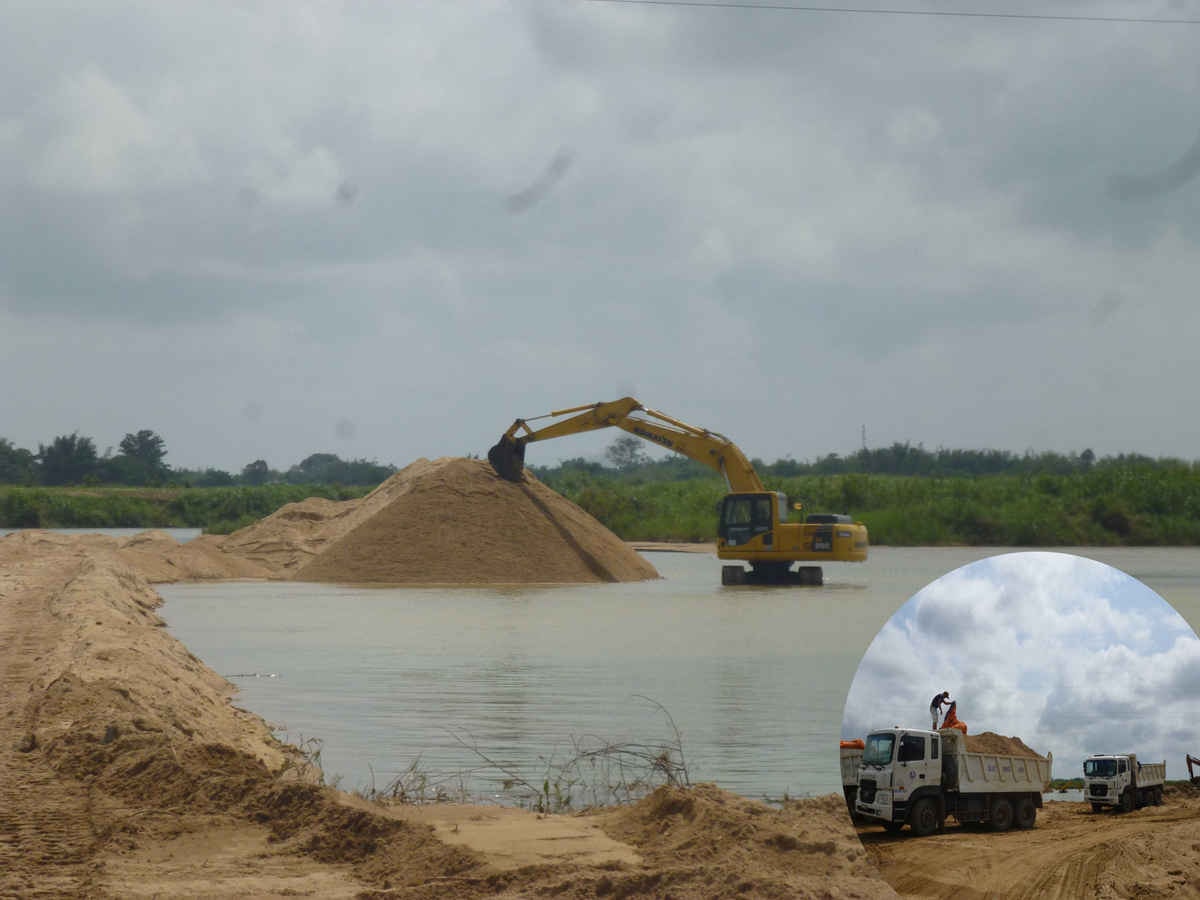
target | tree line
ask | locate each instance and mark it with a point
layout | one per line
(626, 459)
(140, 460)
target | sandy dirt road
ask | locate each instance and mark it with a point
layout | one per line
(1073, 852)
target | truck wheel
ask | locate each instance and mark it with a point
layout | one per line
(1126, 801)
(1097, 807)
(923, 819)
(1026, 814)
(1157, 799)
(1002, 814)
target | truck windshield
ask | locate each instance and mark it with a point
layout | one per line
(1100, 768)
(878, 751)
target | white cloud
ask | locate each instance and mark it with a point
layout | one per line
(103, 142)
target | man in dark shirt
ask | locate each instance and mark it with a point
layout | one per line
(935, 707)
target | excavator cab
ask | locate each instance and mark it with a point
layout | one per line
(744, 517)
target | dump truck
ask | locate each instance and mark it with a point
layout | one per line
(1120, 781)
(754, 526)
(917, 777)
(851, 758)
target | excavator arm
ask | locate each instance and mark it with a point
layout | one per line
(708, 447)
(752, 524)
(1192, 761)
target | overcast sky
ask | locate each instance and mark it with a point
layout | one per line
(1069, 654)
(387, 230)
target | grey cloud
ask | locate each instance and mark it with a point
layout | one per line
(1172, 178)
(762, 196)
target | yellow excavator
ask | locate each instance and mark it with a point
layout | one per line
(753, 526)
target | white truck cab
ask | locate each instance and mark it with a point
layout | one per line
(1120, 781)
(899, 767)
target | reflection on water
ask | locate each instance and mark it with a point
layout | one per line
(754, 678)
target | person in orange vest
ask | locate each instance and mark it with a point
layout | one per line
(951, 720)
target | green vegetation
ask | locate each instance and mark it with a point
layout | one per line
(71, 459)
(906, 495)
(1061, 502)
(1066, 784)
(216, 510)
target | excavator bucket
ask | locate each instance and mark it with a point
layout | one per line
(508, 459)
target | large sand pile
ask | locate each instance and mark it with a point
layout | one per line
(443, 521)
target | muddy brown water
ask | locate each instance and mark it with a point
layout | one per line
(755, 678)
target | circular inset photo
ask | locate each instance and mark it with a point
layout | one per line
(1019, 726)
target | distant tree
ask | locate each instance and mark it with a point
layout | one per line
(315, 462)
(329, 468)
(257, 472)
(140, 460)
(69, 459)
(17, 465)
(626, 453)
(213, 478)
(146, 446)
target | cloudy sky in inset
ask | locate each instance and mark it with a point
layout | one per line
(1069, 654)
(387, 230)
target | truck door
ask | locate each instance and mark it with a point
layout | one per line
(919, 765)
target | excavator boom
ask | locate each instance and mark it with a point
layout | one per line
(708, 447)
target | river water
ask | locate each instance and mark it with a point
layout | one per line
(754, 678)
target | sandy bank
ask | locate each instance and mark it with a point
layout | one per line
(128, 772)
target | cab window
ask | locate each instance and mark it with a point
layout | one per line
(912, 748)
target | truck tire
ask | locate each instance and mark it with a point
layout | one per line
(1126, 804)
(1157, 799)
(1026, 813)
(923, 818)
(1002, 814)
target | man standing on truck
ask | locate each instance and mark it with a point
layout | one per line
(935, 707)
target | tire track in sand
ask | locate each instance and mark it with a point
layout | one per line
(1071, 853)
(46, 832)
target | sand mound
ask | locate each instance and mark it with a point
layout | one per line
(990, 742)
(706, 842)
(443, 521)
(451, 521)
(159, 558)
